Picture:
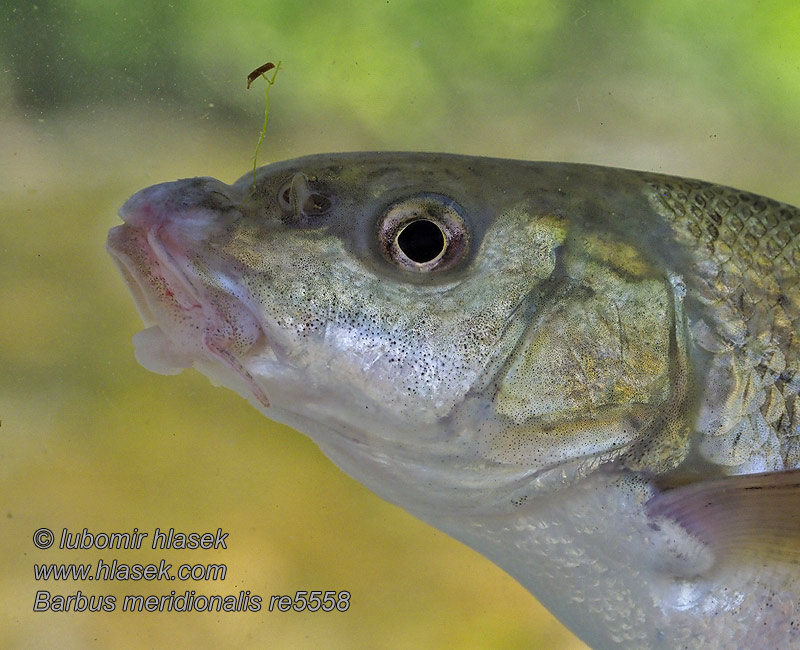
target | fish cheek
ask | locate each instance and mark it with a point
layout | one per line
(591, 373)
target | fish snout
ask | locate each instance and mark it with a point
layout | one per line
(191, 205)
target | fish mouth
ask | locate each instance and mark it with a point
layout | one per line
(117, 237)
(186, 322)
(151, 273)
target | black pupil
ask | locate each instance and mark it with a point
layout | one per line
(421, 241)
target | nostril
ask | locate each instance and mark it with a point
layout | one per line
(285, 200)
(316, 204)
(297, 197)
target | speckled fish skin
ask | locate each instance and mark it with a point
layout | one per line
(596, 366)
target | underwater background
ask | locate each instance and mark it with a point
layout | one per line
(99, 98)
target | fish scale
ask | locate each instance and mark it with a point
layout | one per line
(748, 249)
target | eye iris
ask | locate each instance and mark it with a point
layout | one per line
(421, 241)
(423, 233)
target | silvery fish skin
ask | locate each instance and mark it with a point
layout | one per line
(588, 374)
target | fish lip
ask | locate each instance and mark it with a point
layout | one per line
(117, 240)
(165, 258)
(148, 240)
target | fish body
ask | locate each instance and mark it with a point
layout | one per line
(587, 374)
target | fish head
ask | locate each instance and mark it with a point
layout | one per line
(435, 323)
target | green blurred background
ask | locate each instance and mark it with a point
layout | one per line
(99, 98)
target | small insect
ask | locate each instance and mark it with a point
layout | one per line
(261, 71)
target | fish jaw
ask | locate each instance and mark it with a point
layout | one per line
(194, 313)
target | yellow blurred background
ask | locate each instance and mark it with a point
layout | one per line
(99, 99)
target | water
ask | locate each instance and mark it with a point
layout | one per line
(96, 103)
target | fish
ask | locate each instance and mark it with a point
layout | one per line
(590, 375)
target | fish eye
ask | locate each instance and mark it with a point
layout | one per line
(423, 233)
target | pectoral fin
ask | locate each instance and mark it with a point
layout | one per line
(752, 516)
